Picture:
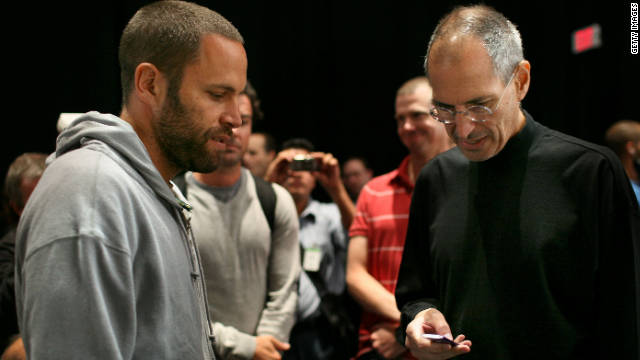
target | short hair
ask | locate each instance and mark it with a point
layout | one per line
(26, 166)
(251, 93)
(364, 161)
(298, 143)
(167, 34)
(410, 86)
(620, 133)
(499, 36)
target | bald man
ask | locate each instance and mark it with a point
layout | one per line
(623, 138)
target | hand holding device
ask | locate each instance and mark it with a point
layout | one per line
(440, 339)
(303, 162)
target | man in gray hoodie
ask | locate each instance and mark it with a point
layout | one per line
(106, 266)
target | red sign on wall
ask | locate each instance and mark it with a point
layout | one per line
(586, 38)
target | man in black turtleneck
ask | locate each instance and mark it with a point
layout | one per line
(521, 238)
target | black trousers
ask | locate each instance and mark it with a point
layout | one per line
(313, 339)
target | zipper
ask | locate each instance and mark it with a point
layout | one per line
(197, 280)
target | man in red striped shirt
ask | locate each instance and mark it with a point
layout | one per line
(379, 228)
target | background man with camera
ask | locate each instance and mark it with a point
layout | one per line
(323, 242)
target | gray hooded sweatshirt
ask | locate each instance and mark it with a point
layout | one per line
(106, 267)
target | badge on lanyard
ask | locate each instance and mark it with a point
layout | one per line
(312, 258)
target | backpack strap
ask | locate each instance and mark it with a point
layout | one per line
(267, 197)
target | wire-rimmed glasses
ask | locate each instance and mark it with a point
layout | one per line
(475, 113)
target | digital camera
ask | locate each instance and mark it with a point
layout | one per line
(304, 163)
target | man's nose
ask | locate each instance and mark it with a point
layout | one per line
(407, 125)
(231, 116)
(464, 126)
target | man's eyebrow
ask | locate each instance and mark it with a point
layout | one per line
(479, 100)
(474, 101)
(224, 87)
(441, 104)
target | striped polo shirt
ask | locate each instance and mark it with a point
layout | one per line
(382, 216)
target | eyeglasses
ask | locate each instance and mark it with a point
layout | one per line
(475, 113)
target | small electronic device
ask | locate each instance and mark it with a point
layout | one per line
(304, 163)
(440, 339)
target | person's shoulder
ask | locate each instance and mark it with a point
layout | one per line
(76, 170)
(280, 191)
(254, 182)
(83, 181)
(559, 145)
(90, 170)
(80, 193)
(448, 161)
(284, 200)
(451, 157)
(381, 182)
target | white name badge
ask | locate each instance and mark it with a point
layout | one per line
(312, 258)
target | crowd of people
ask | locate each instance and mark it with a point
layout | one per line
(174, 231)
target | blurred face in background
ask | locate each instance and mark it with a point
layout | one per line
(417, 129)
(355, 175)
(237, 146)
(257, 158)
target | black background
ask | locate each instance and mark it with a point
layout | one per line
(325, 70)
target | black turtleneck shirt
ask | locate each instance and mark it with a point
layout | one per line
(532, 254)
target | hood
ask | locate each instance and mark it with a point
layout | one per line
(119, 136)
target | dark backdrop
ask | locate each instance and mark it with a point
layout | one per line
(325, 70)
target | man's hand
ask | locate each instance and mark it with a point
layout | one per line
(278, 169)
(268, 348)
(384, 341)
(329, 172)
(329, 177)
(15, 351)
(433, 322)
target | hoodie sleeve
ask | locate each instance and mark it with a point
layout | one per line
(68, 317)
(74, 278)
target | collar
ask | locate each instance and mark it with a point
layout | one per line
(400, 176)
(518, 146)
(310, 211)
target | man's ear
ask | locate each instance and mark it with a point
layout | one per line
(522, 79)
(630, 148)
(150, 85)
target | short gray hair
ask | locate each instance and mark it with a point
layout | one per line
(499, 36)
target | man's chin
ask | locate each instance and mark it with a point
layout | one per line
(206, 163)
(205, 168)
(230, 160)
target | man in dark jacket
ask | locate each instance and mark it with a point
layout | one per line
(521, 238)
